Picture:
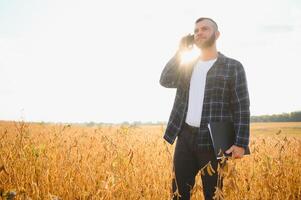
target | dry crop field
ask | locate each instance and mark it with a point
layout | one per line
(39, 161)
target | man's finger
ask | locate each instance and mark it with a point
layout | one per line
(233, 154)
(229, 150)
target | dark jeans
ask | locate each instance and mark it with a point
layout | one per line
(188, 160)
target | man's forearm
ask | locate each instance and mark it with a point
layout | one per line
(170, 74)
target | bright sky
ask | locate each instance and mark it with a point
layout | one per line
(81, 61)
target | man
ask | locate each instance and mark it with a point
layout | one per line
(212, 88)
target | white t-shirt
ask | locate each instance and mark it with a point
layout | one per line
(197, 91)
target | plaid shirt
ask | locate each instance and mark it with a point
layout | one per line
(226, 98)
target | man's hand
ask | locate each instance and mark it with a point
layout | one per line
(185, 43)
(237, 152)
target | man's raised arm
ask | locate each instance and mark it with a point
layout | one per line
(171, 73)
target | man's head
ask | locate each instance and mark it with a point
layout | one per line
(205, 32)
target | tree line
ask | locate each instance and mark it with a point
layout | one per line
(284, 117)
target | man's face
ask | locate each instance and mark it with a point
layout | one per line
(205, 34)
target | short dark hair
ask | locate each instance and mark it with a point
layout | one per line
(207, 18)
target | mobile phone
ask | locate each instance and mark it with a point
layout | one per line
(189, 39)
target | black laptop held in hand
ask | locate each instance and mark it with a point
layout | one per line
(223, 137)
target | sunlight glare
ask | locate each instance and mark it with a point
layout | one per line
(189, 55)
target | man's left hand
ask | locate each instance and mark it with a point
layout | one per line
(237, 152)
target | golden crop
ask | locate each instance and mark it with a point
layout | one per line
(39, 161)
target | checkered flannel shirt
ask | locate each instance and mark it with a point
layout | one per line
(226, 98)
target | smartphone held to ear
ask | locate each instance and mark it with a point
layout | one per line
(187, 41)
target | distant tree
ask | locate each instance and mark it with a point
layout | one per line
(136, 123)
(90, 124)
(296, 116)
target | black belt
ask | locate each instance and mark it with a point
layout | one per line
(191, 129)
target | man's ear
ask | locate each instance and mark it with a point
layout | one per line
(217, 34)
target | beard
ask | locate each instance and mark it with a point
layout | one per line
(208, 43)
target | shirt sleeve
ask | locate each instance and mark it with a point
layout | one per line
(241, 107)
(171, 73)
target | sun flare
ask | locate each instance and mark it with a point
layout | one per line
(189, 55)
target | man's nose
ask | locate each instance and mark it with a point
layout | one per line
(199, 34)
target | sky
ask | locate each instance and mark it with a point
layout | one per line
(81, 61)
